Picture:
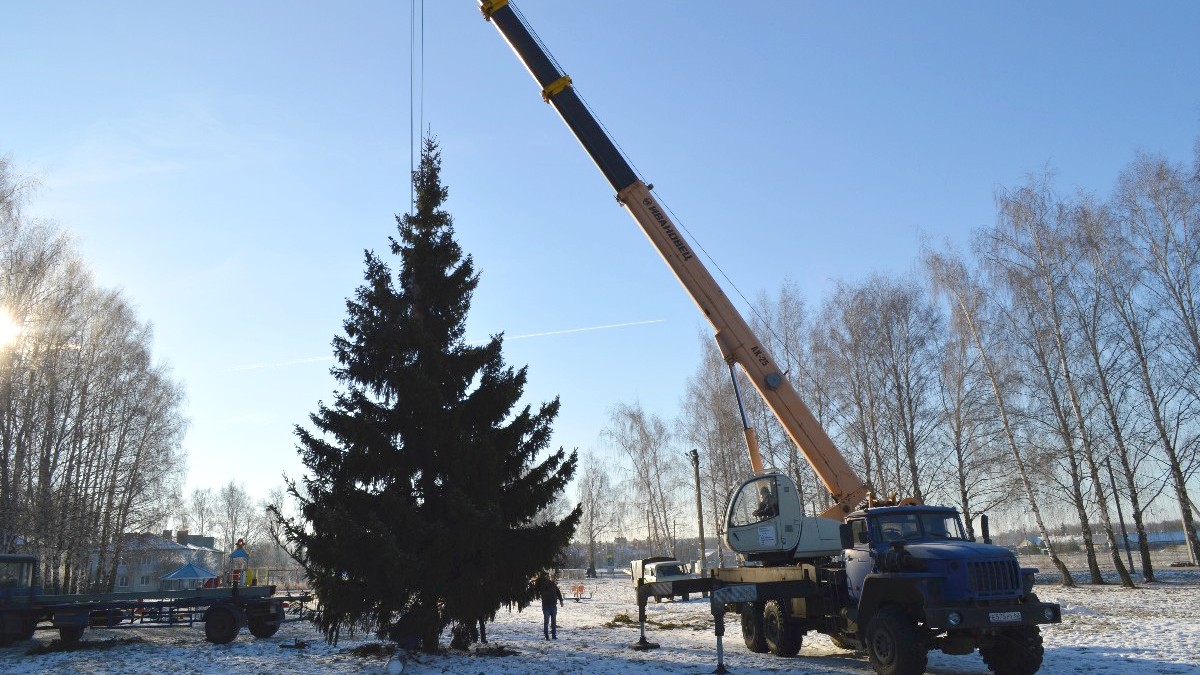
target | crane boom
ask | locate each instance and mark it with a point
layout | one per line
(734, 337)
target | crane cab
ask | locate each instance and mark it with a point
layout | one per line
(764, 523)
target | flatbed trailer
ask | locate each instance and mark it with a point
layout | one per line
(223, 611)
(24, 610)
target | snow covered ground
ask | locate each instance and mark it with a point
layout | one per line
(1106, 630)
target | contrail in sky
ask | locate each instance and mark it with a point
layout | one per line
(573, 330)
(318, 359)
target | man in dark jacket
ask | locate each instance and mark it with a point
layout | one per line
(548, 590)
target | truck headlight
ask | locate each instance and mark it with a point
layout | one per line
(954, 618)
(1048, 612)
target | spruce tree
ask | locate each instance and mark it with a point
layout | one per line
(423, 483)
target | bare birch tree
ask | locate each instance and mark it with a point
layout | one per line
(599, 500)
(201, 510)
(1159, 205)
(90, 426)
(658, 474)
(969, 301)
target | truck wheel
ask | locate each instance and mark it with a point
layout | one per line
(264, 626)
(28, 628)
(70, 635)
(752, 627)
(220, 625)
(1014, 651)
(781, 637)
(893, 645)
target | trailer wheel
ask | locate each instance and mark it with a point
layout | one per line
(28, 628)
(264, 626)
(1014, 651)
(70, 635)
(752, 627)
(781, 637)
(893, 645)
(220, 625)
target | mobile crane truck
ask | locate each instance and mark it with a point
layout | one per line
(895, 580)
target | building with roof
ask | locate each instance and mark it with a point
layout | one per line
(147, 558)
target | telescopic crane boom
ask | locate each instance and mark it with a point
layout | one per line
(735, 339)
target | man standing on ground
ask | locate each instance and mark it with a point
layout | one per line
(545, 587)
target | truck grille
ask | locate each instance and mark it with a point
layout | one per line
(994, 578)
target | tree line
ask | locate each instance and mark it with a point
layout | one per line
(1050, 373)
(90, 423)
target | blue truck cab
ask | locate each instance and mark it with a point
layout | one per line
(17, 592)
(916, 582)
(17, 579)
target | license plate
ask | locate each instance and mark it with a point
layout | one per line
(1004, 617)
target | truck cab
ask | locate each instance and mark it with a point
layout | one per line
(17, 593)
(919, 560)
(665, 576)
(16, 578)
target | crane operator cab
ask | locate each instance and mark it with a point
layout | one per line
(764, 523)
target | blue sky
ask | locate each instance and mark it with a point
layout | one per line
(226, 164)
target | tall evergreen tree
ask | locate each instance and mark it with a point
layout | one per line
(418, 508)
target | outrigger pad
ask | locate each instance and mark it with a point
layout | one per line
(643, 644)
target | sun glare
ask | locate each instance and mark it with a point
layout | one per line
(9, 329)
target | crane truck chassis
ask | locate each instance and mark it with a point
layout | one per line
(892, 579)
(223, 611)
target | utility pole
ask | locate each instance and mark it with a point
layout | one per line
(699, 510)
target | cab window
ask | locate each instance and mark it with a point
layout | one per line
(858, 533)
(943, 526)
(898, 527)
(757, 501)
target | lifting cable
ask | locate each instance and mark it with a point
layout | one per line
(416, 91)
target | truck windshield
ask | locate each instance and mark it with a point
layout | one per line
(16, 574)
(758, 500)
(912, 526)
(942, 526)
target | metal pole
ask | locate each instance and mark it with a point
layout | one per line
(699, 510)
(1112, 479)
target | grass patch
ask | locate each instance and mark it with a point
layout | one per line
(619, 621)
(625, 621)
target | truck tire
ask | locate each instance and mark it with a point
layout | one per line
(1015, 651)
(220, 625)
(752, 627)
(70, 635)
(782, 638)
(893, 645)
(265, 625)
(19, 627)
